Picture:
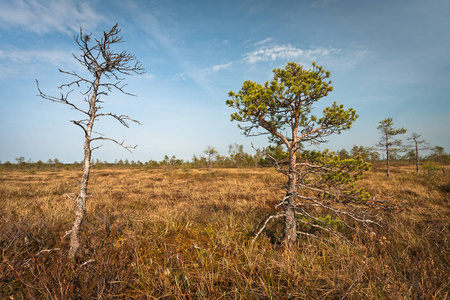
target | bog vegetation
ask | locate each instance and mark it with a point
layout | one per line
(185, 233)
(186, 230)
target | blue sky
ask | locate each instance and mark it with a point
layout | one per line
(387, 59)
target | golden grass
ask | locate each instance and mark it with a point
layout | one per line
(185, 233)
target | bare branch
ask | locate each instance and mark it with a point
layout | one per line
(77, 82)
(265, 223)
(121, 118)
(342, 212)
(309, 235)
(62, 99)
(282, 201)
(95, 148)
(325, 227)
(121, 144)
(87, 262)
(47, 251)
(79, 123)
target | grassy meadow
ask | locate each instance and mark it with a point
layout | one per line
(185, 233)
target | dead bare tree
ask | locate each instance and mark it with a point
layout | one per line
(102, 62)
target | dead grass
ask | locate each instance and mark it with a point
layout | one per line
(185, 233)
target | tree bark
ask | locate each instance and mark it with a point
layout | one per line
(290, 222)
(80, 210)
(417, 158)
(387, 156)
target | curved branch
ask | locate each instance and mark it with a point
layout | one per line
(114, 141)
(339, 211)
(326, 228)
(121, 118)
(278, 215)
(80, 124)
(62, 99)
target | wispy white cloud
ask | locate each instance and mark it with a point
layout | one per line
(275, 52)
(14, 62)
(216, 68)
(343, 58)
(27, 56)
(44, 16)
(265, 41)
(203, 77)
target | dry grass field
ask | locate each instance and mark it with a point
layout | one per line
(185, 234)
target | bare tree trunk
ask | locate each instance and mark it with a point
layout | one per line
(387, 156)
(80, 210)
(417, 158)
(209, 162)
(290, 222)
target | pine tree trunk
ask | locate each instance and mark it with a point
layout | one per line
(80, 209)
(387, 157)
(290, 222)
(417, 158)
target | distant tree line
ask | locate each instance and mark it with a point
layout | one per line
(436, 154)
